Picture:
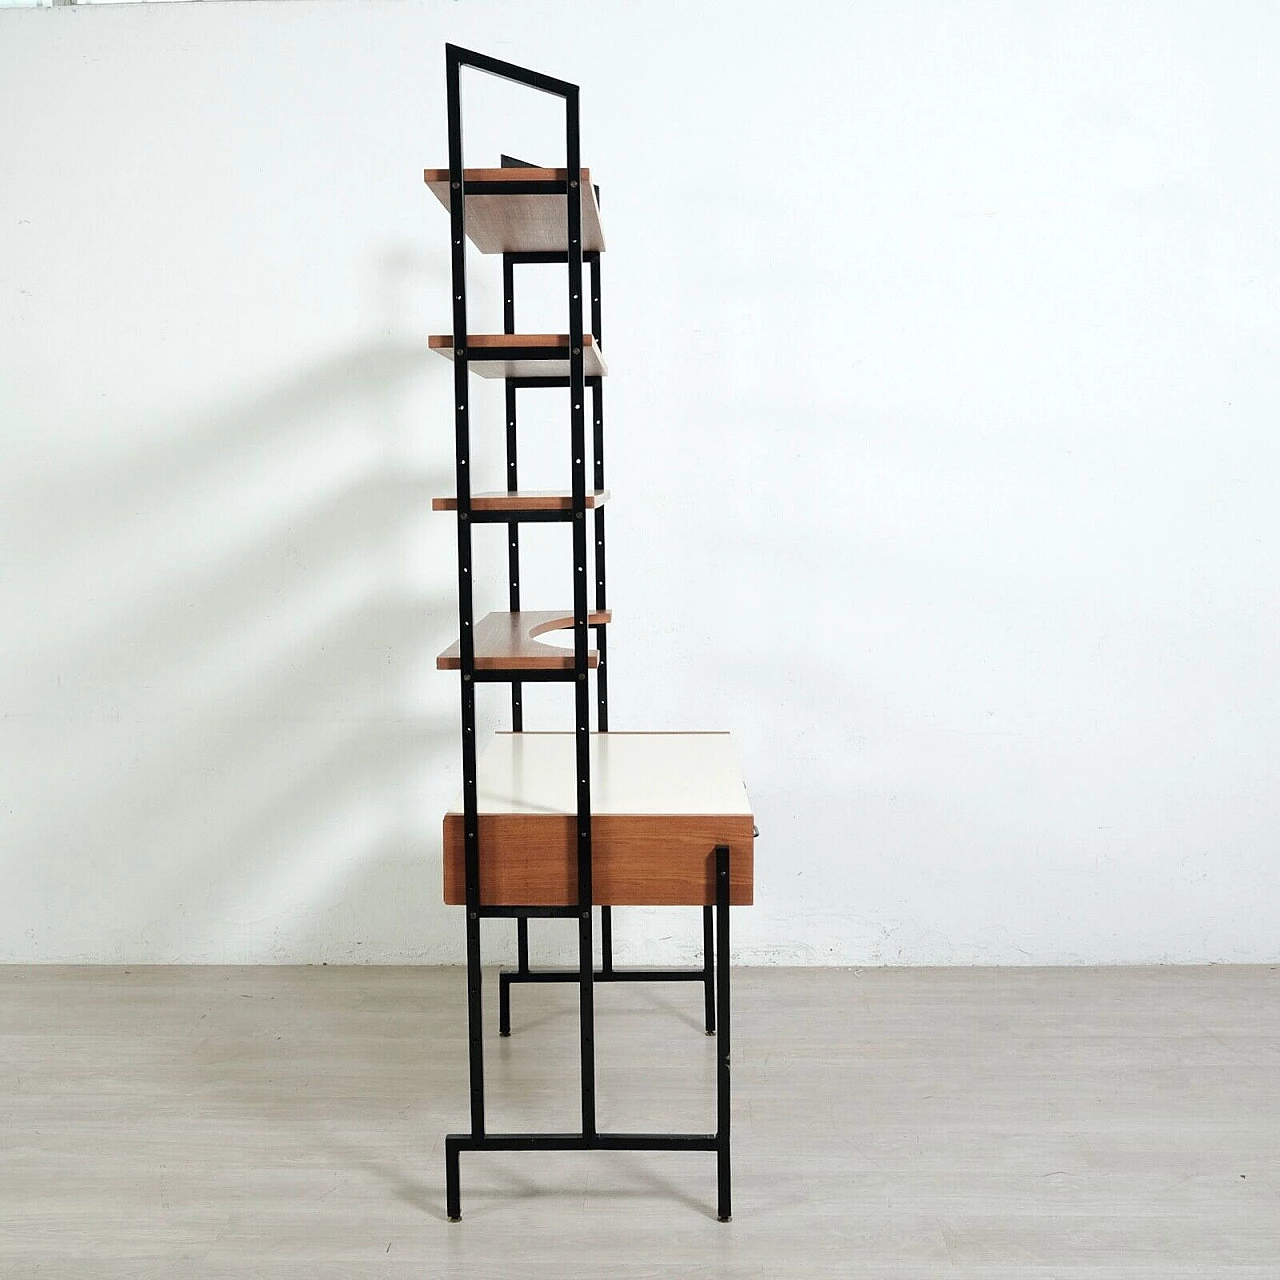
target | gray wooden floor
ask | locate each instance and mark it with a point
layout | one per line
(963, 1122)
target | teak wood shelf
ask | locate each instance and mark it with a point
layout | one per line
(508, 642)
(521, 210)
(523, 355)
(522, 501)
(556, 824)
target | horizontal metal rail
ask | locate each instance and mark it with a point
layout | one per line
(518, 515)
(455, 1142)
(528, 913)
(500, 675)
(604, 975)
(549, 381)
(517, 256)
(478, 355)
(529, 187)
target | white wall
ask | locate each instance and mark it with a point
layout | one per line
(943, 444)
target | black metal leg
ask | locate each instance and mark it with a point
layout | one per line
(708, 967)
(452, 1181)
(586, 1023)
(606, 939)
(725, 1197)
(475, 1024)
(504, 1004)
(504, 978)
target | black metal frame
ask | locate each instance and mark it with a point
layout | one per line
(714, 972)
(606, 973)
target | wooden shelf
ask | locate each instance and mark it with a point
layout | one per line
(507, 642)
(526, 359)
(521, 223)
(522, 500)
(660, 803)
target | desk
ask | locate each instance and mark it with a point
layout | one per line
(660, 804)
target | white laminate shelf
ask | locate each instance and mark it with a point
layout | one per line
(631, 773)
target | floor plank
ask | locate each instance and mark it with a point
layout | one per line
(287, 1122)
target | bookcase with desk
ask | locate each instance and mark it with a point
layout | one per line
(557, 824)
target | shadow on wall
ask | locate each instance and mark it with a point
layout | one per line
(223, 733)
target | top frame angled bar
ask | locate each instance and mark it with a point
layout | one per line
(457, 57)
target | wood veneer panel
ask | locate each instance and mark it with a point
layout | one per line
(507, 641)
(521, 223)
(637, 860)
(555, 364)
(522, 500)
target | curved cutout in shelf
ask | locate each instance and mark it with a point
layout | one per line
(506, 642)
